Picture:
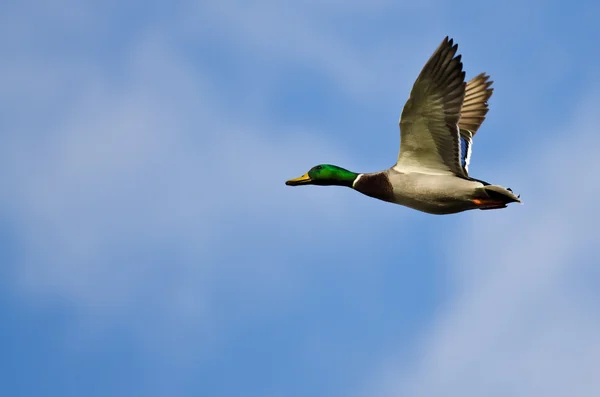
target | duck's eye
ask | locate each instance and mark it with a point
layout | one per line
(319, 167)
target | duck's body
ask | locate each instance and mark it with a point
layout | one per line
(434, 194)
(437, 125)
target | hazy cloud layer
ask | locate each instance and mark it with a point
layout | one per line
(523, 320)
(144, 213)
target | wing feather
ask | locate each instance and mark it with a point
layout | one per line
(429, 137)
(473, 112)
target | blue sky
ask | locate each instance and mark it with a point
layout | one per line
(150, 246)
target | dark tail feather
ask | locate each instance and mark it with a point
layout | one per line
(500, 194)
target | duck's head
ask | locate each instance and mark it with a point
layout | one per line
(325, 175)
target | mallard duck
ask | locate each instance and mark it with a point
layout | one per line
(437, 126)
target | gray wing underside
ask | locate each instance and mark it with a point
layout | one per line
(429, 133)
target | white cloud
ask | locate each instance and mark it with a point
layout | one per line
(146, 161)
(106, 159)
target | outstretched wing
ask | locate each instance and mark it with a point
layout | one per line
(429, 134)
(472, 114)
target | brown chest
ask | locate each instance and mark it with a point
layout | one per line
(375, 185)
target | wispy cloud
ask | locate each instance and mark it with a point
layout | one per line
(143, 159)
(140, 188)
(522, 319)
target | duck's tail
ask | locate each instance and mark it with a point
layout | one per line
(494, 196)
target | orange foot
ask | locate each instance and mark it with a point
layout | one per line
(488, 204)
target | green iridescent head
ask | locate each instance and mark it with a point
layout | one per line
(325, 175)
